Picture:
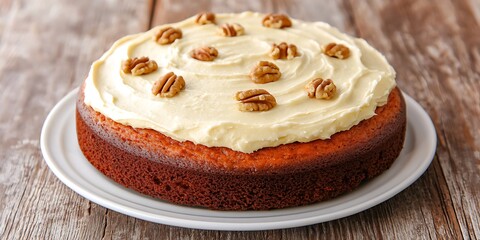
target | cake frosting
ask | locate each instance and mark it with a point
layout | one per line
(206, 113)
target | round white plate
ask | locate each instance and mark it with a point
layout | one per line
(65, 159)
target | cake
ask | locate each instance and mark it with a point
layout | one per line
(241, 112)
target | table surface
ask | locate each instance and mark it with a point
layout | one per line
(46, 47)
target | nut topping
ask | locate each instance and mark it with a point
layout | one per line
(283, 51)
(205, 18)
(168, 35)
(169, 85)
(204, 53)
(231, 29)
(276, 21)
(321, 89)
(139, 66)
(337, 51)
(255, 100)
(265, 72)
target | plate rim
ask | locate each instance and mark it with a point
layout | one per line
(63, 104)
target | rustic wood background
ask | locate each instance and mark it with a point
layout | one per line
(46, 47)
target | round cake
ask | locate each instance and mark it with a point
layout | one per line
(241, 112)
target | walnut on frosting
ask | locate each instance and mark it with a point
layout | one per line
(204, 53)
(231, 29)
(255, 100)
(139, 66)
(276, 21)
(265, 72)
(283, 51)
(321, 89)
(169, 85)
(167, 35)
(337, 50)
(205, 18)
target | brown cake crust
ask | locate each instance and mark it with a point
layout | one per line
(219, 178)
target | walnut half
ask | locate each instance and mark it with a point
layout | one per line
(276, 21)
(168, 35)
(321, 89)
(337, 51)
(255, 100)
(265, 72)
(204, 53)
(139, 66)
(231, 29)
(283, 51)
(169, 85)
(205, 18)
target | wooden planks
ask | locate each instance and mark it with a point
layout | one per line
(47, 47)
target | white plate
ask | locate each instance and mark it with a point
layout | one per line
(63, 156)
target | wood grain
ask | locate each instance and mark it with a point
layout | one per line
(47, 47)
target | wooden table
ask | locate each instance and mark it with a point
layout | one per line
(46, 47)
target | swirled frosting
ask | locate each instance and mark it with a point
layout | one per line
(206, 113)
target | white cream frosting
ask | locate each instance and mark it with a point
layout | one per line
(206, 113)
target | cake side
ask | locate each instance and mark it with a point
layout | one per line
(219, 178)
